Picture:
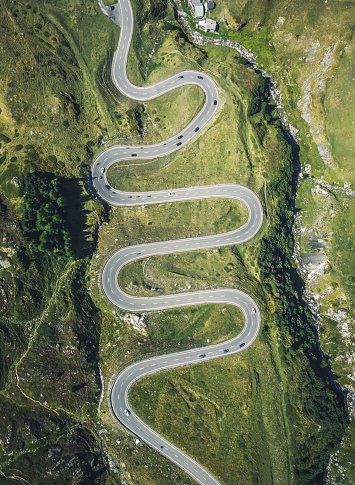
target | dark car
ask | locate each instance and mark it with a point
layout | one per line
(181, 77)
(225, 351)
(98, 163)
(202, 356)
(199, 77)
(215, 102)
(148, 195)
(100, 177)
(130, 197)
(196, 129)
(242, 345)
(179, 137)
(133, 154)
(178, 144)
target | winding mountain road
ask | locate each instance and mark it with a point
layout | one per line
(109, 277)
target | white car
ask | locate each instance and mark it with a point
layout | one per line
(253, 310)
(103, 169)
(127, 412)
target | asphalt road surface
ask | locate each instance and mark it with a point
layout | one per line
(109, 278)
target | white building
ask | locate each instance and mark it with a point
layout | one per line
(208, 25)
(198, 8)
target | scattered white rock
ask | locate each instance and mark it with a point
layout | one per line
(136, 320)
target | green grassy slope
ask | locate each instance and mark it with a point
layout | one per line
(55, 118)
(179, 404)
(56, 106)
(49, 326)
(307, 47)
(340, 112)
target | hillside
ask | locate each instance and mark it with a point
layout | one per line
(308, 49)
(274, 412)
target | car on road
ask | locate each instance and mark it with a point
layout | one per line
(100, 177)
(148, 195)
(181, 136)
(103, 169)
(138, 254)
(127, 412)
(133, 154)
(215, 102)
(171, 193)
(199, 77)
(242, 345)
(253, 310)
(202, 356)
(130, 197)
(225, 351)
(197, 128)
(180, 77)
(98, 163)
(178, 144)
(161, 446)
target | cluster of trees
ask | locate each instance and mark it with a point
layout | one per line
(279, 274)
(44, 221)
(275, 259)
(259, 100)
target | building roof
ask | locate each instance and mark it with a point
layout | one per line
(210, 5)
(208, 25)
(199, 10)
(211, 24)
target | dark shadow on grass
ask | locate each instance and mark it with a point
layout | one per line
(78, 387)
(76, 217)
